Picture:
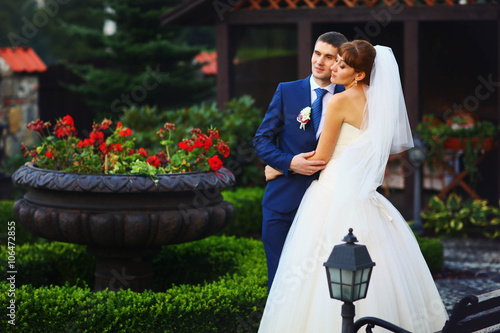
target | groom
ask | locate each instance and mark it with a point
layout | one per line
(283, 145)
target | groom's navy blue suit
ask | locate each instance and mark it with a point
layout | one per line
(278, 139)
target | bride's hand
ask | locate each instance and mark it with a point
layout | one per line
(271, 173)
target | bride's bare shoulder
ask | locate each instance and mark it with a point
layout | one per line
(341, 101)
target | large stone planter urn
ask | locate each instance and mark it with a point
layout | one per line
(123, 219)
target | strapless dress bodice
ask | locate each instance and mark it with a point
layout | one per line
(347, 134)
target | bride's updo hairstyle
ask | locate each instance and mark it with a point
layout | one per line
(359, 54)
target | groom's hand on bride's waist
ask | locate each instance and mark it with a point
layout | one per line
(300, 164)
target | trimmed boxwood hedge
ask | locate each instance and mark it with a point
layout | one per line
(227, 293)
(247, 207)
(7, 215)
(432, 250)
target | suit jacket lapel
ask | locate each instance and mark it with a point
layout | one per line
(338, 88)
(305, 94)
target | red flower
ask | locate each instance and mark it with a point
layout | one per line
(207, 144)
(169, 127)
(195, 131)
(163, 158)
(198, 144)
(65, 127)
(118, 147)
(223, 149)
(154, 161)
(38, 125)
(184, 144)
(85, 143)
(68, 120)
(105, 124)
(104, 148)
(215, 162)
(96, 137)
(214, 133)
(126, 132)
(119, 124)
(131, 152)
(24, 150)
(143, 152)
(49, 154)
(33, 152)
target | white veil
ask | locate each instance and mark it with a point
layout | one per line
(360, 168)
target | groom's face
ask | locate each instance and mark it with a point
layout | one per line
(322, 60)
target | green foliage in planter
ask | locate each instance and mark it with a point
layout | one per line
(434, 133)
(43, 264)
(432, 250)
(231, 302)
(247, 206)
(237, 123)
(462, 218)
(23, 236)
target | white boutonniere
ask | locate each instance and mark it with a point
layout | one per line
(304, 117)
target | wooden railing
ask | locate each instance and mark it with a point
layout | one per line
(311, 4)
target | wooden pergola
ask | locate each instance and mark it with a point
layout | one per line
(305, 15)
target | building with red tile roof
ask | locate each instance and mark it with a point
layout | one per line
(210, 61)
(19, 87)
(20, 59)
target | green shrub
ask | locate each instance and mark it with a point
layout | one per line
(6, 215)
(59, 263)
(432, 250)
(226, 306)
(56, 263)
(231, 301)
(6, 212)
(457, 217)
(247, 207)
(208, 260)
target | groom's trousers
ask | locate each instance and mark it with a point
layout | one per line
(275, 228)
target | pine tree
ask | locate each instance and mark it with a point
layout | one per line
(140, 64)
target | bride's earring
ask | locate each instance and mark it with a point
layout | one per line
(355, 82)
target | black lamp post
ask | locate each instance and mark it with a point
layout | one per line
(348, 271)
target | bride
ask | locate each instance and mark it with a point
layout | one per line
(363, 125)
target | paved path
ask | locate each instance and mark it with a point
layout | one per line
(480, 259)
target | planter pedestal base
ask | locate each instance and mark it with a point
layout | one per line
(123, 219)
(123, 269)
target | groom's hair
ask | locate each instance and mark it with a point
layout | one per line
(333, 38)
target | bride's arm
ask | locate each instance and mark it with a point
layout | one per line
(334, 117)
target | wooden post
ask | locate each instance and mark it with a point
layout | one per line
(305, 48)
(411, 79)
(224, 63)
(412, 94)
(498, 96)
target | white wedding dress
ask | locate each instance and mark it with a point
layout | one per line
(401, 288)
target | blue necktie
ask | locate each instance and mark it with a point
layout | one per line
(317, 107)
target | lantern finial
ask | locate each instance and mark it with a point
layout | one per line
(350, 238)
